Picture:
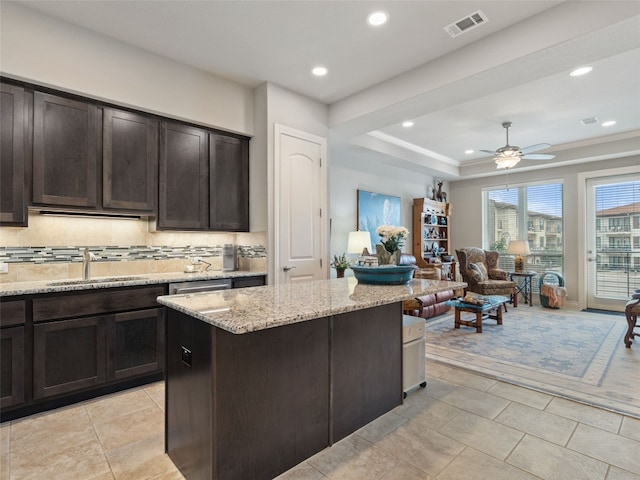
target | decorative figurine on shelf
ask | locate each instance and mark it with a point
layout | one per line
(430, 192)
(440, 195)
(391, 241)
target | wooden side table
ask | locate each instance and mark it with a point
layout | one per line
(524, 286)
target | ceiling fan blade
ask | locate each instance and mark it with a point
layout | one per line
(492, 152)
(539, 156)
(535, 148)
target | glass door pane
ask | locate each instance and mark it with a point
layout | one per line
(613, 241)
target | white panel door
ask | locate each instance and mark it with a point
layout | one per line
(299, 201)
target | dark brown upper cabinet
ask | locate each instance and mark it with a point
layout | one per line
(229, 183)
(184, 176)
(65, 152)
(130, 161)
(13, 133)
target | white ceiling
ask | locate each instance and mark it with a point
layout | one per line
(456, 90)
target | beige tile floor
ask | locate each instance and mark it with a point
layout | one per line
(463, 426)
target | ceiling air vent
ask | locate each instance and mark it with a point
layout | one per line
(590, 120)
(467, 23)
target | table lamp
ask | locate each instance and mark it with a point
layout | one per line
(519, 248)
(359, 243)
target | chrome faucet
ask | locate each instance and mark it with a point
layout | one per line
(87, 258)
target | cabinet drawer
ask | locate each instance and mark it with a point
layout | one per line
(12, 313)
(94, 303)
(248, 282)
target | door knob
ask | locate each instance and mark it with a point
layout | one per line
(286, 269)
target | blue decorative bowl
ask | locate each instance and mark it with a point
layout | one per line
(384, 275)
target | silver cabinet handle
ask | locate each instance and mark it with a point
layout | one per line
(286, 269)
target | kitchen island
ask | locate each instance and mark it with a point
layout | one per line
(258, 380)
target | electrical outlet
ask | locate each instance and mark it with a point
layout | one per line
(196, 260)
(186, 356)
(4, 267)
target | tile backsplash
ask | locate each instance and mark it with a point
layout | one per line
(40, 255)
(51, 248)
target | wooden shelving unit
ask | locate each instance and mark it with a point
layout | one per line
(431, 236)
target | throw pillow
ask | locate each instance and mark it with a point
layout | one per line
(481, 271)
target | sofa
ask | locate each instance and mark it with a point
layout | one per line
(426, 306)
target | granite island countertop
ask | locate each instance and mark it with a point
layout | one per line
(249, 310)
(71, 284)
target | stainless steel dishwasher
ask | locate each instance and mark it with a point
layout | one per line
(200, 286)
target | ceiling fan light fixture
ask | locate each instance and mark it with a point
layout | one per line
(507, 162)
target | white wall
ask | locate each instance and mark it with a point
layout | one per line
(344, 183)
(274, 104)
(466, 221)
(46, 51)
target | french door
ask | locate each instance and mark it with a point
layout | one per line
(613, 240)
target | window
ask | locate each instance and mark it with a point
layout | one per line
(533, 212)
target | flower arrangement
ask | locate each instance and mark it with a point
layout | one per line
(340, 262)
(392, 237)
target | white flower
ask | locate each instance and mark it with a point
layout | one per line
(392, 237)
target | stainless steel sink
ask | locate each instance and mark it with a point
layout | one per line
(95, 280)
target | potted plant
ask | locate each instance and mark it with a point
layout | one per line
(340, 263)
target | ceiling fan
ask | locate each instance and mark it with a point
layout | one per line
(509, 155)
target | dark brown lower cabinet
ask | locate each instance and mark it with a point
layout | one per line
(12, 359)
(68, 355)
(72, 355)
(135, 343)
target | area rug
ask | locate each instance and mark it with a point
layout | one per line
(572, 354)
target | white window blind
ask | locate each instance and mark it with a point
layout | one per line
(532, 212)
(617, 209)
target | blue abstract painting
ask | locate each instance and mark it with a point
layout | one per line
(375, 209)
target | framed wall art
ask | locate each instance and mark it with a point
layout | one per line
(375, 209)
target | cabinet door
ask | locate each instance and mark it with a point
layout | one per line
(13, 207)
(135, 343)
(64, 152)
(12, 358)
(130, 159)
(229, 183)
(184, 174)
(68, 355)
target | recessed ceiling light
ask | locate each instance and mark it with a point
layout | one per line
(580, 71)
(468, 151)
(377, 18)
(319, 71)
(407, 124)
(608, 123)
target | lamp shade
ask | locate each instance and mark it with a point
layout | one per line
(518, 247)
(358, 242)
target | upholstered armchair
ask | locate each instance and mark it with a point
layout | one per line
(479, 269)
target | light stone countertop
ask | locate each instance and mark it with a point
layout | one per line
(63, 285)
(258, 308)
